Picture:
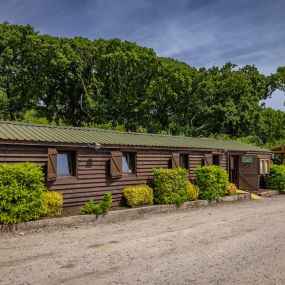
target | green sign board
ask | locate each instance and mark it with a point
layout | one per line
(247, 159)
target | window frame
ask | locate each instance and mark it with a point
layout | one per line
(71, 163)
(133, 160)
(264, 170)
(185, 155)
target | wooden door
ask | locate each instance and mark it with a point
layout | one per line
(248, 172)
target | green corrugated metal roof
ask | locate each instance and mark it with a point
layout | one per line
(70, 135)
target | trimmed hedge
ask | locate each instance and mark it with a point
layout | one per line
(21, 192)
(192, 191)
(138, 195)
(52, 204)
(102, 207)
(212, 181)
(170, 186)
(276, 179)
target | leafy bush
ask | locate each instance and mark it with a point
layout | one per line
(170, 186)
(276, 179)
(212, 181)
(101, 208)
(232, 189)
(52, 204)
(192, 191)
(138, 195)
(106, 203)
(21, 192)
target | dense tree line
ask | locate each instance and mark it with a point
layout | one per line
(120, 85)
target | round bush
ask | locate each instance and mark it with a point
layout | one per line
(52, 204)
(170, 186)
(21, 192)
(212, 182)
(276, 178)
(138, 195)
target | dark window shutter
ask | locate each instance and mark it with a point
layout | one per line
(116, 164)
(52, 164)
(208, 158)
(175, 160)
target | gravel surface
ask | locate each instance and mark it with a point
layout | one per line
(235, 243)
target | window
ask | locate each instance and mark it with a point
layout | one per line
(64, 164)
(183, 160)
(128, 163)
(216, 159)
(60, 163)
(264, 166)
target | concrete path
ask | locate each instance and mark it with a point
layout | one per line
(238, 243)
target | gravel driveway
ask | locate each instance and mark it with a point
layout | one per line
(238, 243)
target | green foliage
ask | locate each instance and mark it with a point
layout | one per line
(276, 179)
(232, 189)
(116, 84)
(21, 192)
(252, 139)
(192, 191)
(271, 129)
(212, 181)
(102, 207)
(170, 186)
(91, 208)
(138, 195)
(52, 204)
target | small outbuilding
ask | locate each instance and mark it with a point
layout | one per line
(85, 162)
(279, 154)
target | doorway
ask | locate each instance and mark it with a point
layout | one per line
(234, 166)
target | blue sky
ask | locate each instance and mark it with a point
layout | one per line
(199, 32)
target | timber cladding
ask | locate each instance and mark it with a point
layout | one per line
(16, 154)
(96, 172)
(101, 171)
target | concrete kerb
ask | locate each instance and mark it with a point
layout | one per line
(269, 193)
(126, 214)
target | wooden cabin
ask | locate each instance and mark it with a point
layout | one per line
(85, 162)
(279, 154)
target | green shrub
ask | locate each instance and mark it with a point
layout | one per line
(52, 204)
(138, 195)
(192, 191)
(232, 189)
(170, 186)
(276, 179)
(90, 207)
(106, 203)
(21, 192)
(102, 207)
(212, 181)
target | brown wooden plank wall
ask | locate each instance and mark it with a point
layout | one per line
(92, 174)
(195, 160)
(224, 161)
(17, 154)
(149, 160)
(93, 177)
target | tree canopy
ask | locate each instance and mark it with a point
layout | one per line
(120, 85)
